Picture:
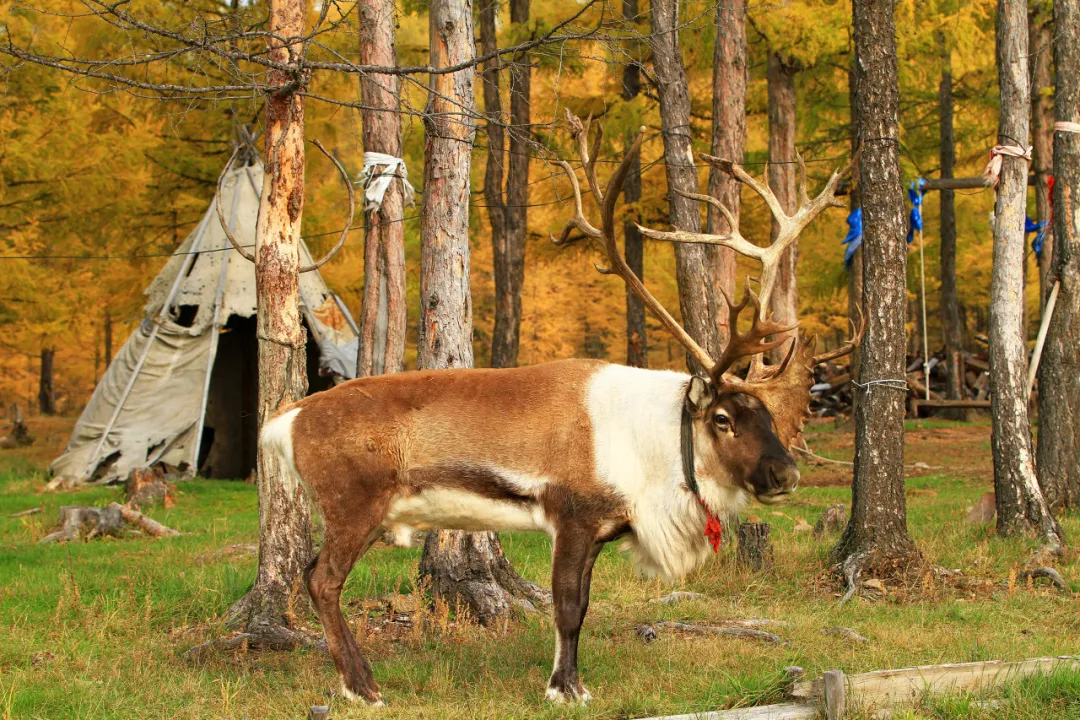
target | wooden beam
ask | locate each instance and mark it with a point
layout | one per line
(916, 404)
(762, 712)
(883, 688)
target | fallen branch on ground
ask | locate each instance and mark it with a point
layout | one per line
(648, 632)
(110, 520)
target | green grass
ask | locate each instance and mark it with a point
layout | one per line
(98, 629)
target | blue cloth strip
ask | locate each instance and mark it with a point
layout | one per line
(915, 194)
(1039, 228)
(854, 235)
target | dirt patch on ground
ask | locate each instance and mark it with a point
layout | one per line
(930, 447)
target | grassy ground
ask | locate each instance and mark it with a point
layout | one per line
(98, 629)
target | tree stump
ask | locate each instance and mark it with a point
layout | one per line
(147, 487)
(74, 519)
(755, 549)
(18, 436)
(833, 520)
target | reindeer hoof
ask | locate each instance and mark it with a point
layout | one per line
(560, 696)
(374, 700)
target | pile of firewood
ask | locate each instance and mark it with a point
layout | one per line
(831, 394)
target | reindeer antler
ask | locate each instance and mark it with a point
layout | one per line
(751, 342)
(607, 199)
(790, 225)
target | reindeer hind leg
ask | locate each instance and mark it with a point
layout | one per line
(344, 545)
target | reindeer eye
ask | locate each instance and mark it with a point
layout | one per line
(723, 422)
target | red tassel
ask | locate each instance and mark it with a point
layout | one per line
(713, 529)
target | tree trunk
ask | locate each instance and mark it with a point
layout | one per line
(494, 175)
(693, 263)
(1020, 503)
(1042, 139)
(855, 269)
(950, 301)
(1059, 372)
(637, 347)
(509, 245)
(46, 391)
(877, 531)
(384, 314)
(284, 511)
(108, 338)
(781, 91)
(728, 142)
(465, 570)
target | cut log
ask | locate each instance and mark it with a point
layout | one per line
(755, 547)
(762, 712)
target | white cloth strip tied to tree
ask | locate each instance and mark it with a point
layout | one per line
(993, 168)
(1067, 127)
(376, 182)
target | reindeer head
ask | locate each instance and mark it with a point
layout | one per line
(742, 428)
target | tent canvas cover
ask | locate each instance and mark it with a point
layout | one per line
(183, 389)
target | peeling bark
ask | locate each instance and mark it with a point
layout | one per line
(284, 509)
(1059, 372)
(730, 70)
(693, 263)
(1020, 503)
(466, 570)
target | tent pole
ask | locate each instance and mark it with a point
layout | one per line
(192, 252)
(215, 328)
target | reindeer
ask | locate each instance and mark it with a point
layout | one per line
(585, 451)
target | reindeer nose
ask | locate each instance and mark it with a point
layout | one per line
(784, 476)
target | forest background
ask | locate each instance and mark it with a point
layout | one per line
(98, 188)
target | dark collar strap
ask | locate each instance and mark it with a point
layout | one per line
(687, 449)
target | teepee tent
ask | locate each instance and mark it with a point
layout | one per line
(183, 389)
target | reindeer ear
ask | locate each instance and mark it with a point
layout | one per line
(699, 395)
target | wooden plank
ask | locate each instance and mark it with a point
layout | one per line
(791, 711)
(835, 694)
(906, 685)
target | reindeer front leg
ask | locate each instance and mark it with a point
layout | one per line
(575, 552)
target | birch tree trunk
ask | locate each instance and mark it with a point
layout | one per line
(728, 142)
(384, 313)
(465, 570)
(284, 510)
(1020, 503)
(1042, 135)
(950, 301)
(781, 91)
(637, 347)
(46, 388)
(1059, 372)
(877, 532)
(693, 263)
